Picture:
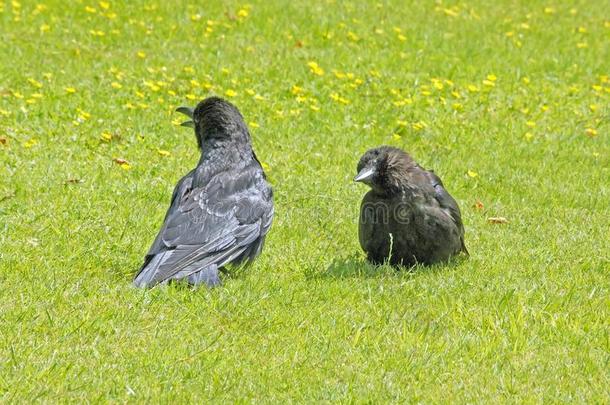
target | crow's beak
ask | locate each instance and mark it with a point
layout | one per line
(188, 111)
(364, 175)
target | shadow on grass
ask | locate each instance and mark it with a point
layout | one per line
(357, 267)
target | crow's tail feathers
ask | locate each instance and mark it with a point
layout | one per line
(148, 275)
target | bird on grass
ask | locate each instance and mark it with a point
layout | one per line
(407, 217)
(220, 212)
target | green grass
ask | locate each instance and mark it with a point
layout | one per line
(524, 319)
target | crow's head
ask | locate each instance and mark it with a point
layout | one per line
(383, 169)
(216, 118)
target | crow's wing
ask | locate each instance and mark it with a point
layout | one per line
(214, 224)
(447, 202)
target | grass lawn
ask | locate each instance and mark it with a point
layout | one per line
(507, 101)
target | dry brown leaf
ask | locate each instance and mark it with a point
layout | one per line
(497, 220)
(73, 181)
(120, 161)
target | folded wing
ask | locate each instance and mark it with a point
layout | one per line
(225, 221)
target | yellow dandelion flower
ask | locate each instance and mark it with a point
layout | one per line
(509, 34)
(418, 126)
(582, 30)
(90, 9)
(70, 90)
(472, 173)
(104, 5)
(30, 101)
(581, 45)
(593, 107)
(315, 68)
(314, 107)
(401, 123)
(258, 97)
(129, 106)
(116, 85)
(491, 77)
(106, 136)
(30, 143)
(141, 54)
(171, 92)
(396, 137)
(549, 10)
(162, 152)
(230, 93)
(456, 94)
(457, 106)
(265, 166)
(45, 28)
(528, 135)
(530, 124)
(296, 90)
(243, 13)
(591, 132)
(451, 12)
(378, 31)
(336, 97)
(488, 83)
(191, 97)
(352, 36)
(35, 83)
(339, 75)
(250, 92)
(37, 95)
(472, 88)
(253, 124)
(402, 37)
(526, 80)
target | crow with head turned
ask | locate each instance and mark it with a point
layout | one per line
(407, 217)
(220, 212)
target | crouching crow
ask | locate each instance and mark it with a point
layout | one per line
(407, 217)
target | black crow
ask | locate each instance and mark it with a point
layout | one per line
(220, 211)
(407, 217)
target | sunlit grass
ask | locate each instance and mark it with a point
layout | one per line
(507, 102)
